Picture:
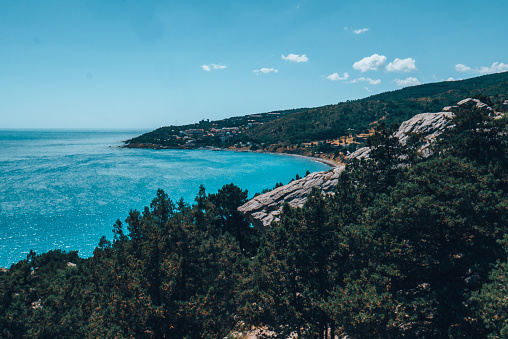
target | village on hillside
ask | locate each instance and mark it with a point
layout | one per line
(230, 134)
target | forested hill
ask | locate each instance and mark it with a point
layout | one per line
(292, 127)
(333, 121)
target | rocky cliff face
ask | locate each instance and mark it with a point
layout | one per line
(265, 208)
(427, 125)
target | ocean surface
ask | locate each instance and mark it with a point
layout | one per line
(65, 189)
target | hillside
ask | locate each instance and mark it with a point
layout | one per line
(292, 127)
(334, 121)
(205, 132)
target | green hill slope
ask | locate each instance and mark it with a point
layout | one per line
(332, 121)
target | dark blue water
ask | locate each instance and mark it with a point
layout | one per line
(65, 189)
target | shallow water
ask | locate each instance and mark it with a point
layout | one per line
(65, 189)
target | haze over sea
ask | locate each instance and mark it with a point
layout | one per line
(65, 189)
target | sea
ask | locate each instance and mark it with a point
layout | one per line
(64, 189)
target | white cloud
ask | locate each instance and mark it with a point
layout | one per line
(295, 58)
(219, 66)
(373, 63)
(369, 80)
(265, 70)
(407, 82)
(450, 79)
(360, 31)
(462, 68)
(336, 77)
(496, 67)
(367, 89)
(356, 31)
(401, 65)
(208, 68)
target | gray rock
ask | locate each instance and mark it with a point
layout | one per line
(452, 109)
(265, 208)
(361, 153)
(426, 125)
(471, 103)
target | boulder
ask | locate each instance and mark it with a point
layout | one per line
(452, 109)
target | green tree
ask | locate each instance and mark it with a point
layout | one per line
(491, 301)
(225, 205)
(441, 225)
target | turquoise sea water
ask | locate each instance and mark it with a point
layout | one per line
(65, 189)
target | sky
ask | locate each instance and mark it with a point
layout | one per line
(122, 64)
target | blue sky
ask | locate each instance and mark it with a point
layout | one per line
(146, 64)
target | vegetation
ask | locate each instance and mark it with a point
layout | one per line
(174, 136)
(407, 247)
(355, 117)
(285, 131)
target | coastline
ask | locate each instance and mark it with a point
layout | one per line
(328, 162)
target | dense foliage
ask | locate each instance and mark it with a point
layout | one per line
(406, 247)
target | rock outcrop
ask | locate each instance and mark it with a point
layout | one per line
(265, 208)
(426, 125)
(472, 103)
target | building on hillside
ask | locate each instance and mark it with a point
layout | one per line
(195, 133)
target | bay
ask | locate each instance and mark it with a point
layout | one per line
(65, 189)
